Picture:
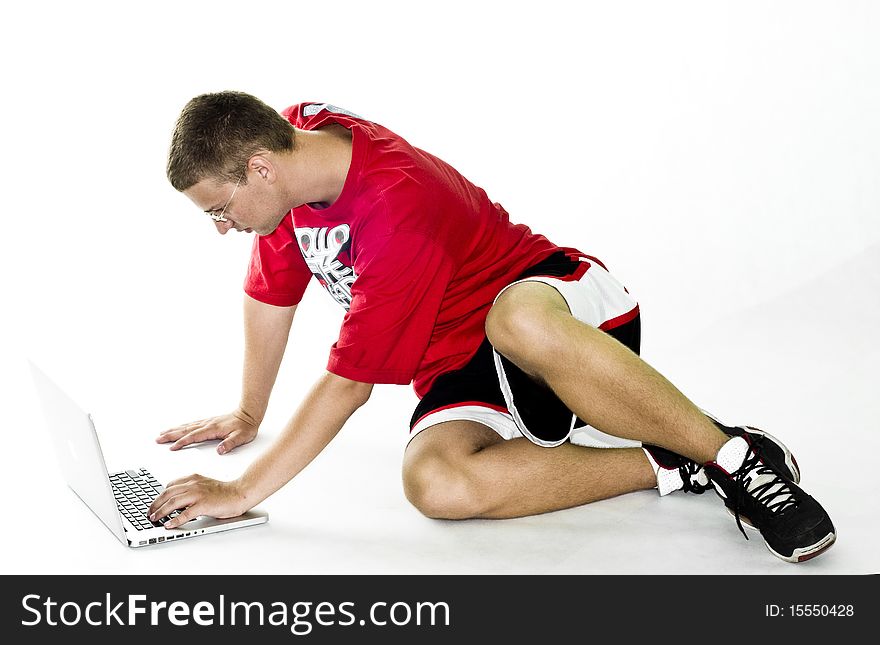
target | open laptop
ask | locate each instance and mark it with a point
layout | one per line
(119, 500)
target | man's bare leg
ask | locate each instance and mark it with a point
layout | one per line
(598, 378)
(462, 469)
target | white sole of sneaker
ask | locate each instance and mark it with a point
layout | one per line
(809, 552)
(799, 555)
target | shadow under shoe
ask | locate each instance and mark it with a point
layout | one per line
(793, 524)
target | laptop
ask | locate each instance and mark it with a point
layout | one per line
(120, 500)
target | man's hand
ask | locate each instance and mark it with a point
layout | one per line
(198, 495)
(234, 429)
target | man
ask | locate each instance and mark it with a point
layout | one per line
(510, 341)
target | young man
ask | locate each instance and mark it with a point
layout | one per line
(509, 340)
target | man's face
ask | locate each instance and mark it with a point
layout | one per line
(240, 206)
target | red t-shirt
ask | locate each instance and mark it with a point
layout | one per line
(414, 251)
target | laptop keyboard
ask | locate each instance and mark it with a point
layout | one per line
(134, 491)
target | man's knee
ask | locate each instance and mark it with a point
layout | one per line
(522, 324)
(440, 488)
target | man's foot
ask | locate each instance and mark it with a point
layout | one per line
(793, 524)
(675, 472)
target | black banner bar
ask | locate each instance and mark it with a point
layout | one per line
(429, 609)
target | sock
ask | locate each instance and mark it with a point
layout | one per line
(732, 454)
(668, 480)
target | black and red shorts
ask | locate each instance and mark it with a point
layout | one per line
(493, 391)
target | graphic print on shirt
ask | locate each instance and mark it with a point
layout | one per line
(326, 252)
(314, 108)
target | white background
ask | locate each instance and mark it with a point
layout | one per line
(721, 158)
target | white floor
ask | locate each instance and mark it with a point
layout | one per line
(801, 366)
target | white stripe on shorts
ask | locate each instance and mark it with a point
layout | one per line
(506, 428)
(498, 421)
(595, 299)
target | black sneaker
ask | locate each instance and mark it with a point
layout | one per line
(675, 472)
(793, 525)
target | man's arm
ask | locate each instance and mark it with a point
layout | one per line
(266, 330)
(319, 418)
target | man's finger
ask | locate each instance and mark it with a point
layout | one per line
(164, 498)
(196, 436)
(184, 428)
(182, 518)
(173, 489)
(234, 440)
(175, 503)
(170, 435)
(176, 433)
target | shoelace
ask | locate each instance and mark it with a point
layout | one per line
(689, 471)
(775, 494)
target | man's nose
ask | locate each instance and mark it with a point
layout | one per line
(223, 227)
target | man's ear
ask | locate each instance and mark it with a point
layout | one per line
(263, 166)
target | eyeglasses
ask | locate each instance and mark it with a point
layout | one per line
(220, 217)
